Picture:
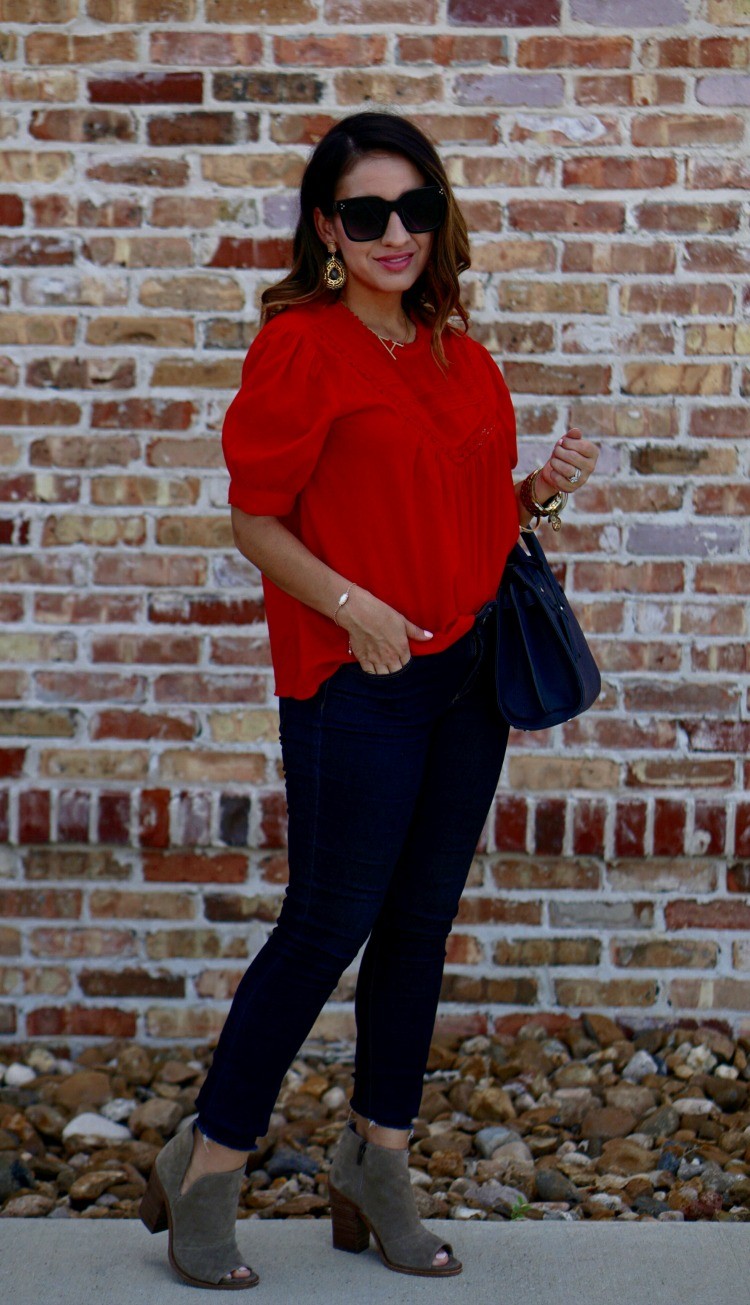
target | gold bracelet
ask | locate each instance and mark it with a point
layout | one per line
(553, 506)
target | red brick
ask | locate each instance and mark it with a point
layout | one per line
(11, 762)
(574, 52)
(133, 725)
(710, 828)
(34, 816)
(725, 914)
(445, 50)
(147, 88)
(146, 171)
(607, 172)
(669, 827)
(52, 903)
(217, 128)
(43, 48)
(145, 413)
(512, 13)
(4, 816)
(688, 217)
(109, 903)
(510, 824)
(154, 818)
(231, 251)
(273, 820)
(11, 211)
(742, 830)
(564, 215)
(80, 1021)
(85, 686)
(82, 126)
(130, 983)
(148, 570)
(113, 823)
(186, 610)
(543, 378)
(720, 422)
(626, 90)
(589, 817)
(630, 828)
(685, 129)
(73, 808)
(549, 826)
(230, 908)
(212, 49)
(195, 868)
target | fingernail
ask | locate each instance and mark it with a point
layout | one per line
(428, 633)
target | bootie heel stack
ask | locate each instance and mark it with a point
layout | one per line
(371, 1192)
(202, 1245)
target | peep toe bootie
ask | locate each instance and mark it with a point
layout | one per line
(202, 1245)
(371, 1192)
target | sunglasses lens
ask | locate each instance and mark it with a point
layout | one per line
(364, 219)
(422, 209)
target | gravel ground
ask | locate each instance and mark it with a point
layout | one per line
(597, 1122)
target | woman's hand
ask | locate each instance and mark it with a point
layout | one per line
(378, 634)
(572, 452)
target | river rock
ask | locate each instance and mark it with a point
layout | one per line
(87, 1087)
(551, 1185)
(608, 1121)
(29, 1206)
(136, 1065)
(17, 1075)
(488, 1140)
(157, 1113)
(89, 1125)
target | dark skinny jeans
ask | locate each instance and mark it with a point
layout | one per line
(389, 780)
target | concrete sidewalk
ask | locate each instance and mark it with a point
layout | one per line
(117, 1262)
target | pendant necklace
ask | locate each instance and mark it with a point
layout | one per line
(390, 345)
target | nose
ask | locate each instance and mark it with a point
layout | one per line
(395, 233)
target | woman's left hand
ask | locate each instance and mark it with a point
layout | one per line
(571, 452)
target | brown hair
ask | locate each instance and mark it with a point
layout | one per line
(435, 296)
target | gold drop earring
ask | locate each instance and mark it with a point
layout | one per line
(335, 270)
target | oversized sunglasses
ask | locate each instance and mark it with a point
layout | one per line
(367, 216)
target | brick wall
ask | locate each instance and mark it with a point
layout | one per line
(149, 156)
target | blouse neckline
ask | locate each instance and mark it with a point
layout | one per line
(373, 335)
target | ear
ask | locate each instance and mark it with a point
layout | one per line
(324, 227)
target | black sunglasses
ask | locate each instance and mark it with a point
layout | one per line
(367, 216)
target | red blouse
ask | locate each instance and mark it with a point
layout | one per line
(391, 471)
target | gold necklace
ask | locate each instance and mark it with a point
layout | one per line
(387, 342)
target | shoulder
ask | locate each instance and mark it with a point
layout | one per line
(288, 338)
(296, 322)
(469, 348)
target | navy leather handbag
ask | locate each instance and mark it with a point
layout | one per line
(545, 670)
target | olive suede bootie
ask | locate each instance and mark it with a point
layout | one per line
(371, 1192)
(202, 1245)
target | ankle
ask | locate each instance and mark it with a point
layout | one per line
(390, 1139)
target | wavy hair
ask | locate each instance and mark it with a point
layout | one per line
(435, 296)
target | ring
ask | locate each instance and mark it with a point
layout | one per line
(575, 477)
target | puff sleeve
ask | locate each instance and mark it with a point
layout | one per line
(276, 425)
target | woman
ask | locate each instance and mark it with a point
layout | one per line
(370, 449)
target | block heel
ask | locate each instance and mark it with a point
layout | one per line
(371, 1193)
(201, 1248)
(153, 1207)
(348, 1228)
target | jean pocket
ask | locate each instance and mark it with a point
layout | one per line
(392, 675)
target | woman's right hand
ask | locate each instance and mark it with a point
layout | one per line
(378, 634)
